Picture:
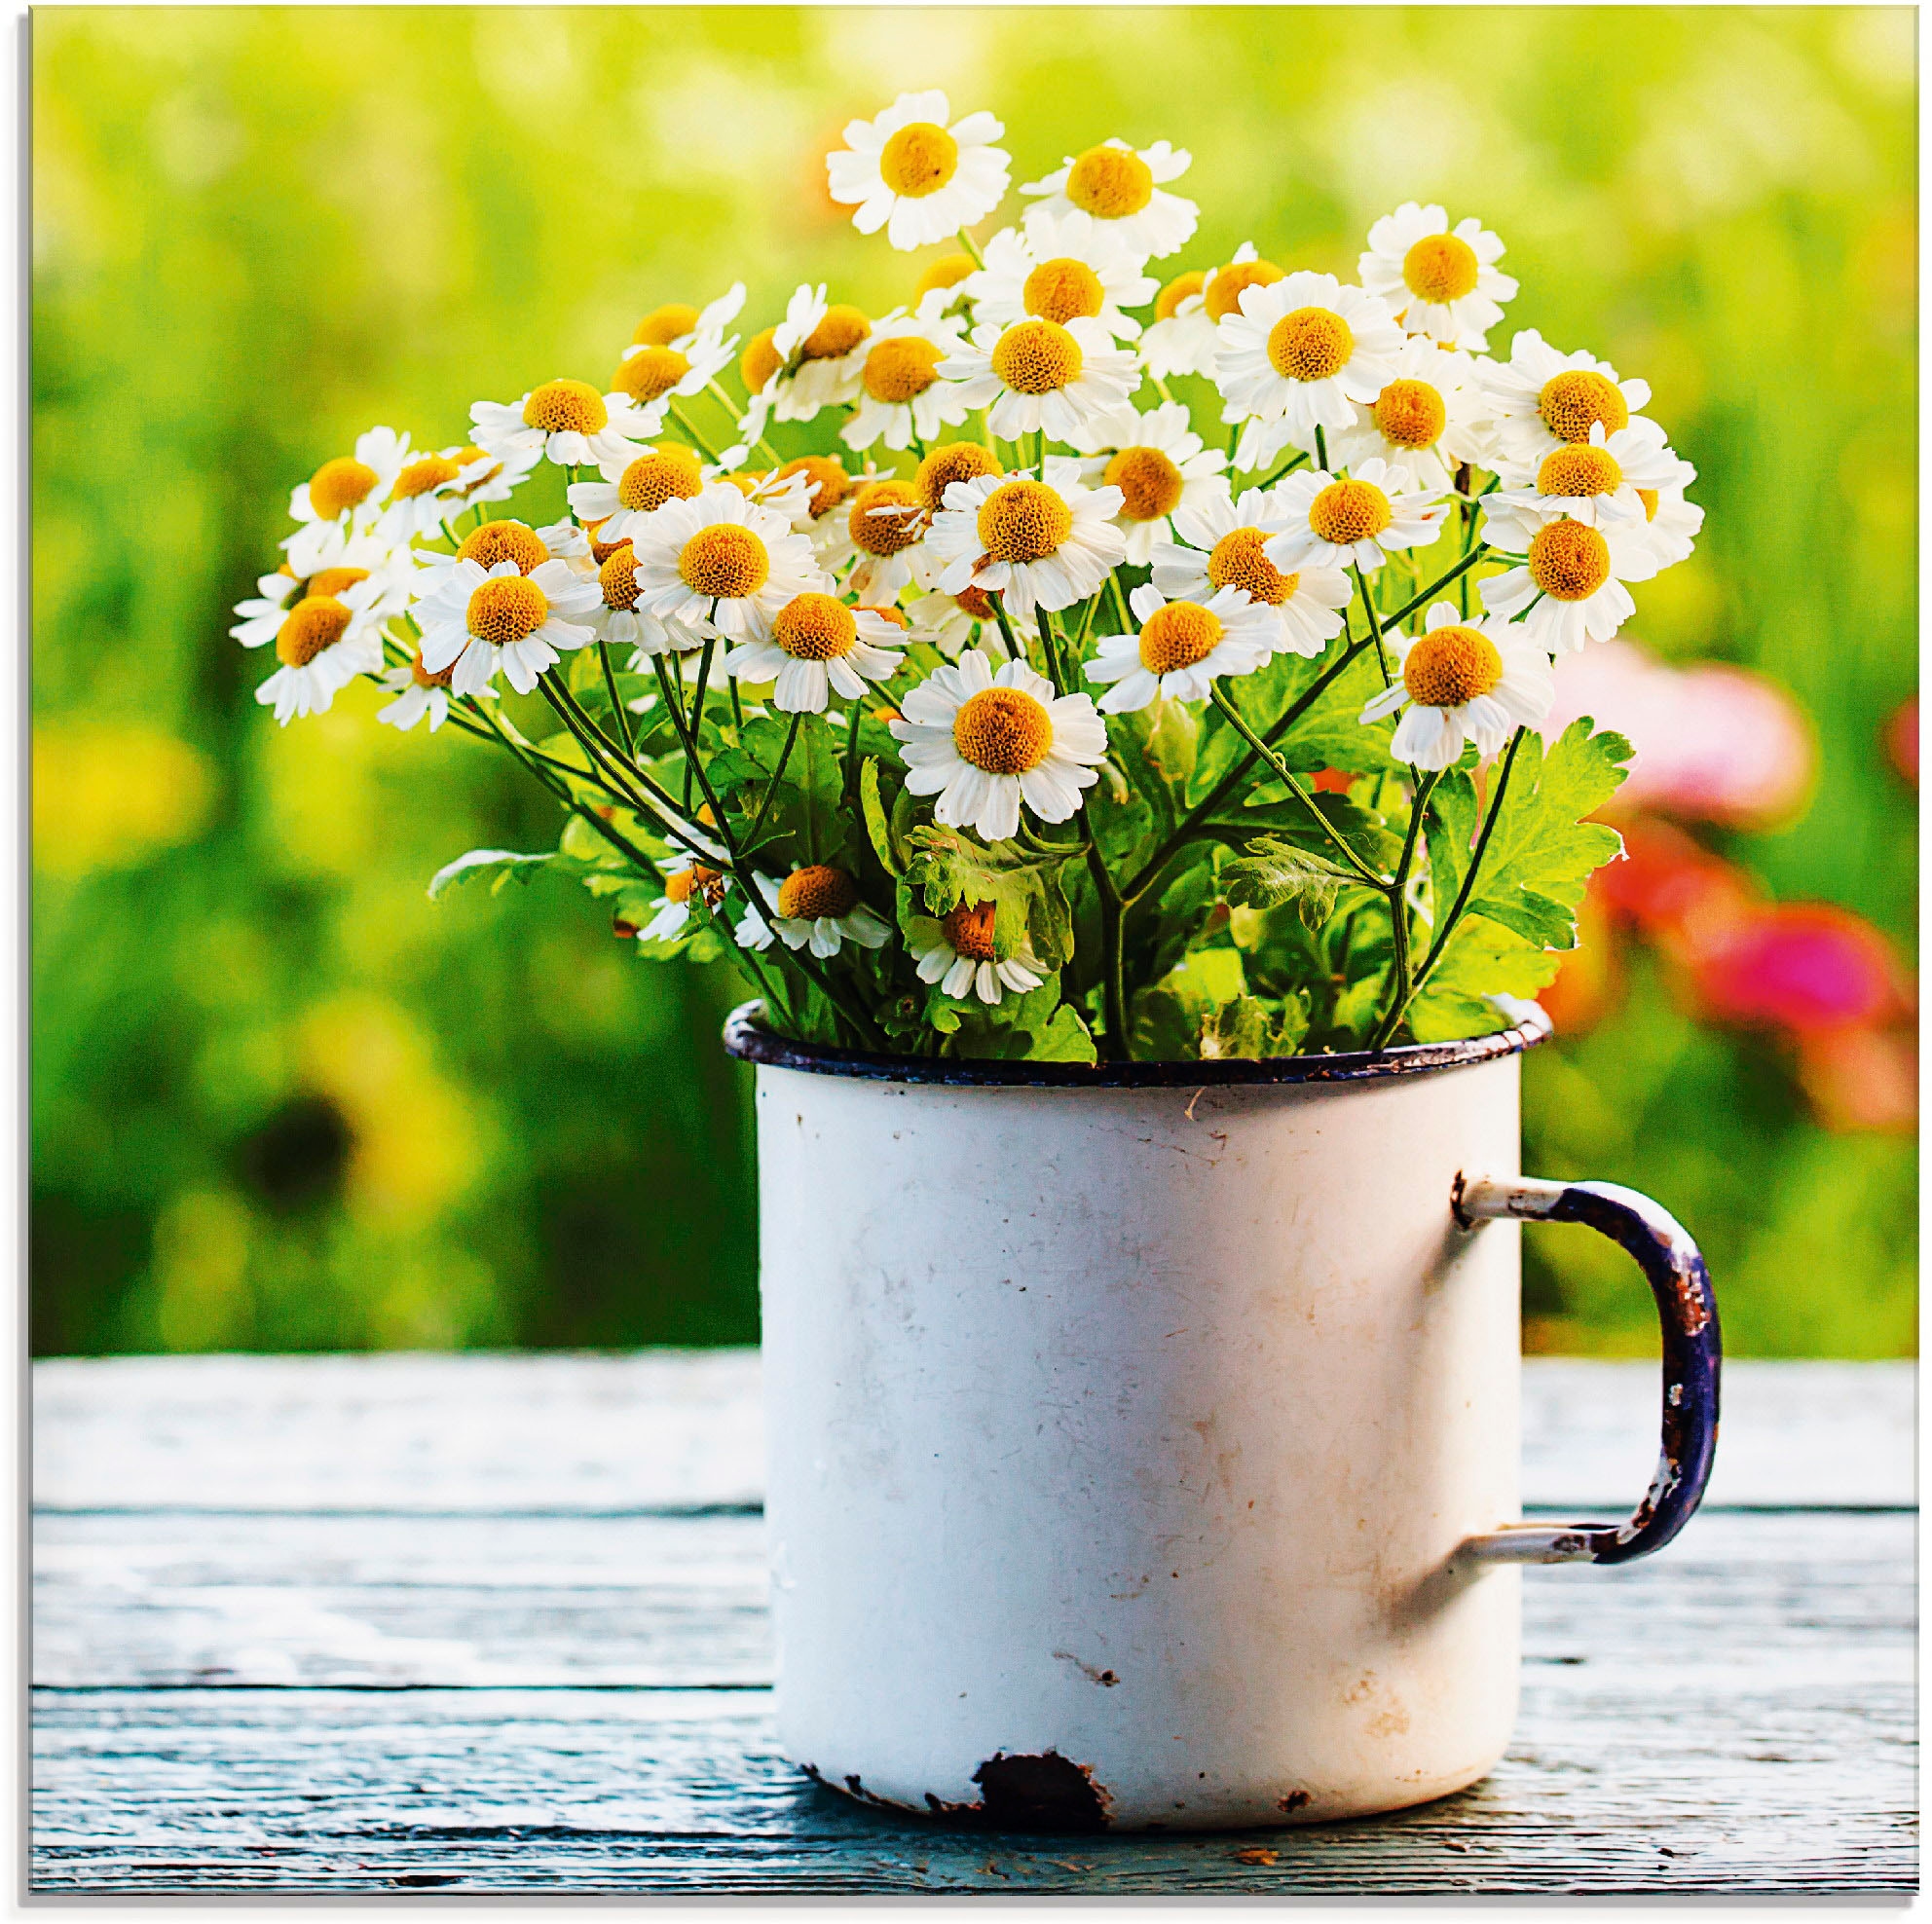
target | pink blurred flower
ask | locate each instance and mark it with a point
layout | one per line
(1863, 1079)
(1806, 967)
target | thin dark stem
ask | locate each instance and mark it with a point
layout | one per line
(1398, 912)
(1113, 915)
(1436, 587)
(697, 704)
(777, 775)
(852, 747)
(622, 719)
(1376, 626)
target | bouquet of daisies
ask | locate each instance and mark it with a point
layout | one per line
(1080, 661)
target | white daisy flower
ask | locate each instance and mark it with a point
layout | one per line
(1061, 267)
(364, 553)
(881, 531)
(1462, 682)
(815, 908)
(617, 617)
(1597, 481)
(631, 490)
(431, 488)
(1437, 282)
(810, 360)
(1181, 646)
(324, 642)
(1042, 375)
(481, 619)
(687, 880)
(960, 951)
(1570, 589)
(497, 476)
(984, 737)
(817, 645)
(486, 545)
(1673, 524)
(654, 371)
(1303, 350)
(565, 421)
(1122, 189)
(342, 497)
(1222, 546)
(902, 398)
(1034, 543)
(1354, 523)
(811, 491)
(1430, 417)
(418, 693)
(1541, 400)
(952, 623)
(1180, 339)
(721, 565)
(1159, 464)
(907, 171)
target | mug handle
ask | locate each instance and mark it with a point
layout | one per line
(1692, 1354)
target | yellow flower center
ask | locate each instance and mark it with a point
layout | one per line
(1036, 358)
(1167, 303)
(684, 883)
(649, 373)
(1312, 343)
(918, 160)
(815, 627)
(1149, 483)
(1003, 730)
(667, 473)
(900, 367)
(837, 335)
(1110, 182)
(1574, 402)
(726, 560)
(419, 477)
(1023, 521)
(760, 361)
(883, 534)
(422, 676)
(617, 578)
(948, 271)
(503, 541)
(315, 623)
(602, 551)
(1237, 562)
(566, 406)
(950, 462)
(975, 601)
(829, 483)
(1229, 283)
(969, 931)
(1569, 561)
(806, 894)
(1177, 635)
(332, 580)
(663, 325)
(1410, 413)
(1579, 470)
(1449, 666)
(1440, 268)
(1064, 290)
(1349, 511)
(339, 485)
(507, 609)
(1648, 497)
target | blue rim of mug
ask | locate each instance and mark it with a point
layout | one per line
(747, 1037)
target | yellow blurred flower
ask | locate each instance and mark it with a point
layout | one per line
(105, 794)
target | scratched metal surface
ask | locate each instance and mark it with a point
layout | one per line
(497, 1624)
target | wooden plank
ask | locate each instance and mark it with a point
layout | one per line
(661, 1429)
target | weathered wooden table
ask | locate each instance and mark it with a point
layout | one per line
(491, 1623)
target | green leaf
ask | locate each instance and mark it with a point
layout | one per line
(1482, 959)
(1023, 884)
(892, 857)
(1450, 832)
(1034, 1028)
(1274, 872)
(503, 861)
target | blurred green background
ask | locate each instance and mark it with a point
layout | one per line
(280, 1100)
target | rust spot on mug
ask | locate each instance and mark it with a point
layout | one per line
(1106, 1678)
(1293, 1801)
(1047, 1791)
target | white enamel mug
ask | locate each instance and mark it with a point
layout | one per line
(1144, 1440)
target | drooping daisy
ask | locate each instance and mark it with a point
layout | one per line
(324, 642)
(655, 378)
(498, 476)
(900, 394)
(810, 360)
(1354, 523)
(1181, 646)
(1061, 267)
(1541, 400)
(1185, 338)
(1570, 589)
(907, 171)
(810, 491)
(1462, 681)
(676, 325)
(1302, 350)
(343, 498)
(633, 490)
(984, 737)
(686, 882)
(962, 952)
(1436, 282)
(952, 623)
(1431, 417)
(418, 693)
(481, 619)
(567, 422)
(1673, 524)
(1036, 543)
(363, 553)
(940, 288)
(1596, 481)
(1159, 464)
(815, 908)
(1122, 188)
(817, 645)
(1222, 546)
(1042, 375)
(431, 488)
(721, 565)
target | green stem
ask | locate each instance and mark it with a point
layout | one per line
(1122, 614)
(1399, 913)
(689, 427)
(1375, 626)
(697, 704)
(1113, 915)
(1436, 587)
(623, 720)
(852, 748)
(1321, 449)
(777, 775)
(972, 248)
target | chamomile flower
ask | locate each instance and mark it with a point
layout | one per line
(721, 565)
(431, 488)
(686, 882)
(817, 645)
(1159, 464)
(962, 952)
(677, 326)
(1353, 522)
(1303, 350)
(418, 693)
(952, 623)
(1541, 399)
(812, 492)
(907, 171)
(1673, 524)
(902, 397)
(324, 642)
(343, 498)
(1180, 647)
(986, 737)
(1122, 188)
(363, 553)
(617, 617)
(565, 421)
(632, 490)
(1180, 339)
(815, 908)
(1596, 481)
(486, 545)
(1569, 589)
(481, 619)
(1437, 281)
(810, 360)
(1430, 417)
(655, 374)
(1061, 267)
(1042, 375)
(1036, 543)
(1460, 682)
(1221, 544)
(883, 527)
(497, 476)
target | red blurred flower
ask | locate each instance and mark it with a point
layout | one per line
(1902, 738)
(1331, 781)
(1673, 891)
(1803, 967)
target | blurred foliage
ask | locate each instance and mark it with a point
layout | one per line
(283, 1101)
